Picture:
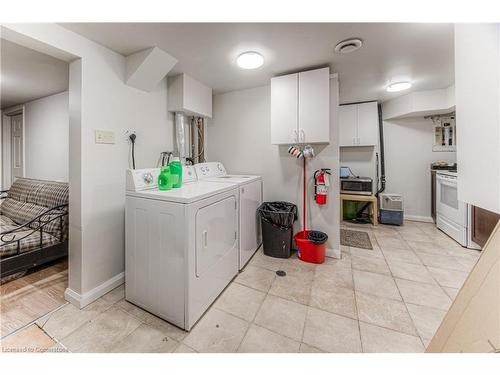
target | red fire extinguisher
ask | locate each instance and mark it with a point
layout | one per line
(321, 183)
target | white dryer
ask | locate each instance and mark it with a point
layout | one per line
(181, 247)
(250, 198)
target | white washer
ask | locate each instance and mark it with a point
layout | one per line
(250, 197)
(181, 247)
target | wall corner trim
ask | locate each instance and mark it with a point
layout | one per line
(423, 219)
(82, 300)
(333, 253)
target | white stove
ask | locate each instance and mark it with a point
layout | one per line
(250, 198)
(451, 214)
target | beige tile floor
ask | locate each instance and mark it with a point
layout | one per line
(389, 299)
(26, 299)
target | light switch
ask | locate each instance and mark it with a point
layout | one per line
(104, 136)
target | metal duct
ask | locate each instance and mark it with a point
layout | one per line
(180, 135)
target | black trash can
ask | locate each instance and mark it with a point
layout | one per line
(277, 220)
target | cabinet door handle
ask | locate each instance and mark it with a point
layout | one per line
(295, 136)
(354, 141)
(205, 239)
(302, 135)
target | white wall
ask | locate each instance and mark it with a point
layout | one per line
(1, 150)
(408, 155)
(99, 99)
(239, 136)
(477, 78)
(46, 129)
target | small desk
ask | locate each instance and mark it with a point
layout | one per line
(361, 198)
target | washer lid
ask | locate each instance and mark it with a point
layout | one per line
(239, 179)
(188, 193)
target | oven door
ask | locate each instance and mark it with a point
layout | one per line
(448, 205)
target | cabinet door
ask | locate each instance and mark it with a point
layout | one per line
(367, 124)
(348, 115)
(314, 106)
(284, 109)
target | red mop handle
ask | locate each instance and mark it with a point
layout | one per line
(305, 197)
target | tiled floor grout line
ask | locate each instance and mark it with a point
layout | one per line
(50, 315)
(426, 267)
(260, 307)
(213, 306)
(401, 295)
(142, 322)
(34, 322)
(258, 310)
(356, 304)
(341, 315)
(84, 323)
(379, 248)
(431, 274)
(300, 303)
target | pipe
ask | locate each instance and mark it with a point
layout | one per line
(180, 135)
(382, 161)
(382, 153)
(305, 198)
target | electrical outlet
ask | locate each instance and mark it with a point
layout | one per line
(127, 134)
(104, 137)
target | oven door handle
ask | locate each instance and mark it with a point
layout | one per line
(449, 180)
(447, 183)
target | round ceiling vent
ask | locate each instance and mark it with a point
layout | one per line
(348, 45)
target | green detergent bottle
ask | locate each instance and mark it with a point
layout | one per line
(165, 179)
(176, 169)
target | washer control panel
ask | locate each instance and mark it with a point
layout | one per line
(146, 179)
(142, 179)
(212, 169)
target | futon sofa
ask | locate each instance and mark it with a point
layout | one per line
(33, 224)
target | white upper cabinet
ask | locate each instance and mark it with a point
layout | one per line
(367, 124)
(284, 109)
(314, 106)
(348, 119)
(300, 107)
(358, 124)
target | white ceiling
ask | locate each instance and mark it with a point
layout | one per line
(421, 52)
(27, 75)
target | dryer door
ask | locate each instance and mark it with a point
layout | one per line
(216, 233)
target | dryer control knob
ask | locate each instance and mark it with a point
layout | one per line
(148, 178)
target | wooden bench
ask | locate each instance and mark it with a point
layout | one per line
(361, 198)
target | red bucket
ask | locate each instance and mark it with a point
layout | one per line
(308, 250)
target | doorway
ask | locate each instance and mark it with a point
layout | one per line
(12, 146)
(34, 198)
(17, 146)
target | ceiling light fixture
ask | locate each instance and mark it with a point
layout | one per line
(250, 60)
(348, 45)
(398, 86)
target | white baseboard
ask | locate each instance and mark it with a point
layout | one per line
(332, 253)
(82, 300)
(423, 219)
